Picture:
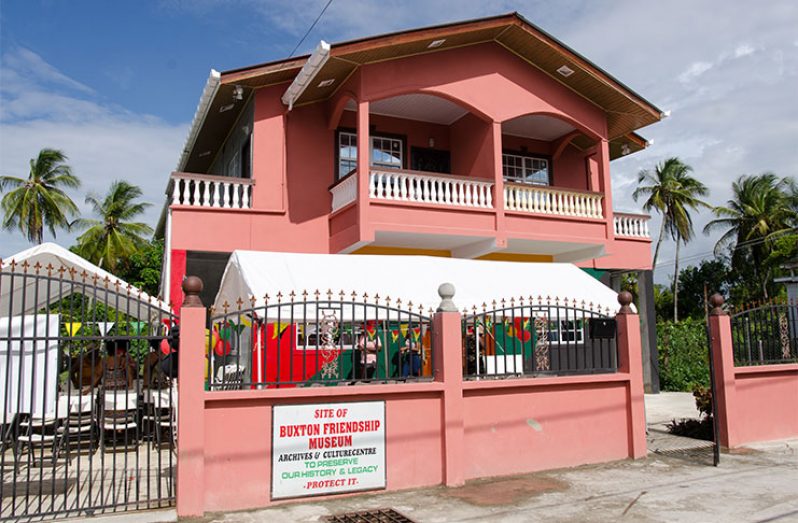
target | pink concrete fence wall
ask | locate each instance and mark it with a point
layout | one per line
(441, 432)
(754, 403)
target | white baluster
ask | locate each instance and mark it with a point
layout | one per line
(380, 188)
(235, 188)
(372, 185)
(489, 195)
(176, 197)
(226, 195)
(245, 196)
(197, 193)
(215, 197)
(433, 195)
(206, 194)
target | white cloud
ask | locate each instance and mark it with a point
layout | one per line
(695, 70)
(41, 107)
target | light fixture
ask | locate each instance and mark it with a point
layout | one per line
(625, 149)
(436, 43)
(565, 71)
(431, 142)
(238, 93)
(327, 83)
(226, 108)
(204, 154)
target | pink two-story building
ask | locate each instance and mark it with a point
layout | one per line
(487, 139)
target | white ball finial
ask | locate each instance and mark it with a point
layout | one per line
(446, 292)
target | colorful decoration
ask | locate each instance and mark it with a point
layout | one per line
(542, 359)
(104, 327)
(72, 328)
(328, 329)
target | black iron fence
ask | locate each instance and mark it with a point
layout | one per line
(317, 340)
(766, 334)
(538, 337)
(88, 399)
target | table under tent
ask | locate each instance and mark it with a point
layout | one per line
(285, 319)
(87, 406)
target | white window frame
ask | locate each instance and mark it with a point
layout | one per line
(382, 165)
(577, 331)
(529, 165)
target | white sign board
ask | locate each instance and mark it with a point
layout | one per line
(327, 448)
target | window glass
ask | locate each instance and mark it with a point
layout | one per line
(385, 153)
(566, 331)
(526, 169)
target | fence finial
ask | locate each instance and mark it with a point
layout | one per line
(446, 292)
(192, 287)
(717, 301)
(625, 298)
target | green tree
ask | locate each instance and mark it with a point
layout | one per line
(143, 268)
(113, 238)
(763, 209)
(714, 274)
(672, 191)
(39, 200)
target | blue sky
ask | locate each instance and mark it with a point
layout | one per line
(115, 84)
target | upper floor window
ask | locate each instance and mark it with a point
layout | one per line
(526, 169)
(386, 152)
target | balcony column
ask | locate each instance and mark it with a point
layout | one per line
(363, 165)
(498, 186)
(605, 186)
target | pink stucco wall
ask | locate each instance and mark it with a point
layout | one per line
(767, 402)
(440, 432)
(757, 403)
(294, 162)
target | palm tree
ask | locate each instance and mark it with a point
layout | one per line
(762, 208)
(673, 192)
(113, 238)
(40, 201)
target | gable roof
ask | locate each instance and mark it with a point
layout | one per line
(626, 110)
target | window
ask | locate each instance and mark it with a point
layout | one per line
(386, 153)
(234, 166)
(526, 169)
(347, 153)
(566, 331)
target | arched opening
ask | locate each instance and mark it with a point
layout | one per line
(418, 132)
(549, 150)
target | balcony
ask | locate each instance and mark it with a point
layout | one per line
(631, 226)
(433, 189)
(215, 192)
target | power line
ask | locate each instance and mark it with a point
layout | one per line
(311, 27)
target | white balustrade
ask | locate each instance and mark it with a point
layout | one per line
(631, 225)
(344, 193)
(198, 190)
(548, 200)
(441, 189)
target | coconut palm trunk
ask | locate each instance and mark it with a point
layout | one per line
(659, 242)
(676, 282)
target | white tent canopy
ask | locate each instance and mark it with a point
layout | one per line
(411, 278)
(22, 292)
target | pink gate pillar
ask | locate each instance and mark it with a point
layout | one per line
(448, 358)
(723, 363)
(631, 362)
(191, 407)
(755, 402)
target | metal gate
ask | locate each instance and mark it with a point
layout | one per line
(89, 402)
